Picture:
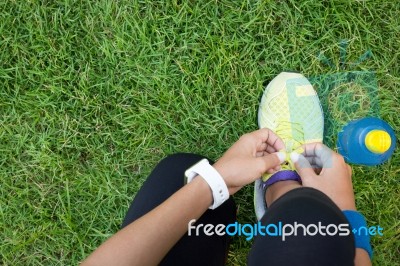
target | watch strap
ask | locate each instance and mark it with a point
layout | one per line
(213, 178)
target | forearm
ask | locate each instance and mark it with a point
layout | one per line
(362, 258)
(147, 240)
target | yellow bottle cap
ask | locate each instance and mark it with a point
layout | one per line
(378, 141)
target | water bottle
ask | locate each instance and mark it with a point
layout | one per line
(367, 141)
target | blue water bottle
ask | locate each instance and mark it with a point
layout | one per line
(366, 141)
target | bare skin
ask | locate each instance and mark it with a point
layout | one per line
(322, 169)
(242, 164)
(251, 156)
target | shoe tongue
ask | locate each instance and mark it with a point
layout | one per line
(291, 145)
(292, 134)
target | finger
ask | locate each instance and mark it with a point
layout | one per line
(267, 148)
(303, 167)
(266, 135)
(316, 168)
(259, 153)
(314, 161)
(324, 155)
(270, 161)
(349, 170)
(271, 171)
(274, 170)
(278, 168)
(262, 146)
(275, 142)
(270, 149)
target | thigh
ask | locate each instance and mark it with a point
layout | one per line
(303, 206)
(166, 178)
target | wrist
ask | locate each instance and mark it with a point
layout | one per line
(201, 186)
(217, 166)
(213, 178)
(357, 221)
(348, 206)
(223, 173)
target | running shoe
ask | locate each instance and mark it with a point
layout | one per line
(290, 107)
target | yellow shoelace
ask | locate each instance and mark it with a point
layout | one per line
(292, 135)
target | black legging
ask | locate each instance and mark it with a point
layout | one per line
(301, 205)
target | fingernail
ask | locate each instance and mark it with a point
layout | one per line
(294, 156)
(282, 156)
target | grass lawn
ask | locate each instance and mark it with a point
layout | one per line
(94, 93)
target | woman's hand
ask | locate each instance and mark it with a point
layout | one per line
(250, 157)
(334, 180)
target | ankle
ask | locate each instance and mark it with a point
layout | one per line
(278, 189)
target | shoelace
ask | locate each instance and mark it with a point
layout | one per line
(286, 130)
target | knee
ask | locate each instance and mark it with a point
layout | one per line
(169, 172)
(182, 159)
(174, 166)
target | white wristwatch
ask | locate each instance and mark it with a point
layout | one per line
(213, 178)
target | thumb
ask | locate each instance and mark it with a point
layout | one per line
(302, 165)
(271, 161)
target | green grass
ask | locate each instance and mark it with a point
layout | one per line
(94, 93)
